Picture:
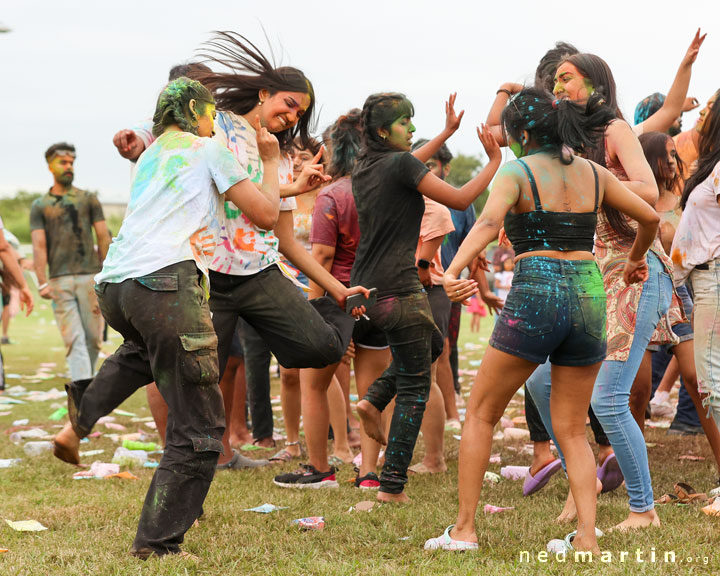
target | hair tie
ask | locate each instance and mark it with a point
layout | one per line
(555, 103)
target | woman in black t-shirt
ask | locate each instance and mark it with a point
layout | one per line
(388, 185)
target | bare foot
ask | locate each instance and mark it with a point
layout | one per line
(371, 419)
(401, 498)
(637, 520)
(265, 442)
(66, 446)
(569, 511)
(426, 467)
(238, 440)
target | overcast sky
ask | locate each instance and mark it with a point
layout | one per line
(80, 70)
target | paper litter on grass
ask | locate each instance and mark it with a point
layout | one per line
(87, 453)
(490, 509)
(265, 508)
(26, 525)
(123, 412)
(514, 472)
(97, 470)
(491, 478)
(9, 462)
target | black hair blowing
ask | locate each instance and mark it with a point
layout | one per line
(557, 124)
(249, 71)
(345, 139)
(709, 148)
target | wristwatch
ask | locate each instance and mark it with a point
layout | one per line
(423, 264)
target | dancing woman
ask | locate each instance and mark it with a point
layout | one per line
(153, 289)
(388, 185)
(696, 254)
(549, 200)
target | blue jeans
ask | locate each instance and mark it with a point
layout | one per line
(611, 395)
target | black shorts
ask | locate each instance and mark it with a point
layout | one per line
(367, 335)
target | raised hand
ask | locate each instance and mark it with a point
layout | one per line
(694, 48)
(452, 120)
(312, 174)
(690, 104)
(492, 149)
(268, 145)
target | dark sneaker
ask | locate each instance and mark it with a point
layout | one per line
(681, 429)
(307, 477)
(368, 482)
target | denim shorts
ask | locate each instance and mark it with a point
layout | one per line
(556, 308)
(684, 330)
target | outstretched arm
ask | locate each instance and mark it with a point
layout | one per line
(674, 104)
(452, 123)
(440, 191)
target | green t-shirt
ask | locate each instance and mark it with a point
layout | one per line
(68, 223)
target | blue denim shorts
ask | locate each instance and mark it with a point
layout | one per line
(556, 308)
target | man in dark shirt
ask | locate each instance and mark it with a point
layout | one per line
(61, 224)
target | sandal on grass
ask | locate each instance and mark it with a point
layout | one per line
(667, 499)
(445, 542)
(687, 494)
(713, 509)
(285, 455)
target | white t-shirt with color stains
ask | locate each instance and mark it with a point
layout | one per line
(174, 209)
(243, 248)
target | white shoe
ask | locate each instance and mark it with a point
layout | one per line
(444, 542)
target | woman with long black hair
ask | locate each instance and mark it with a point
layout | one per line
(549, 201)
(388, 185)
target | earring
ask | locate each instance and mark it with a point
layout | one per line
(384, 137)
(260, 103)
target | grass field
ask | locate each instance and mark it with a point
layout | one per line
(91, 523)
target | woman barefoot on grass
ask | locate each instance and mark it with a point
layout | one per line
(556, 306)
(388, 186)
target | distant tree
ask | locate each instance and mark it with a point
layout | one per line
(464, 168)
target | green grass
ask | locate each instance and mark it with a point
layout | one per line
(92, 522)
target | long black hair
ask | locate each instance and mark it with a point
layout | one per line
(597, 71)
(345, 141)
(249, 72)
(557, 124)
(709, 147)
(654, 145)
(378, 113)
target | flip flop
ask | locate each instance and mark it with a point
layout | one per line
(609, 474)
(445, 542)
(534, 483)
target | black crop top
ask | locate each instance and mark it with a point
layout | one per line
(543, 230)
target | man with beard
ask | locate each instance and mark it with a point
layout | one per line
(61, 223)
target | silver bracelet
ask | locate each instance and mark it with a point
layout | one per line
(43, 286)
